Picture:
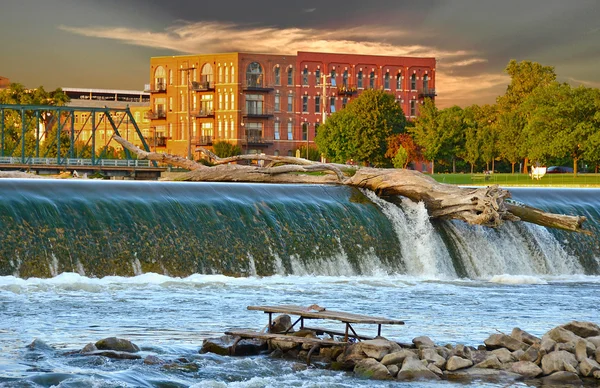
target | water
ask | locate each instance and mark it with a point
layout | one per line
(452, 282)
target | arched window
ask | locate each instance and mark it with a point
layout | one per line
(399, 81)
(345, 78)
(360, 79)
(277, 72)
(226, 75)
(254, 75)
(290, 76)
(159, 78)
(220, 75)
(305, 76)
(207, 74)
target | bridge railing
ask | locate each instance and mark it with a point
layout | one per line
(76, 162)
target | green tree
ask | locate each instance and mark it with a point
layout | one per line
(452, 131)
(360, 131)
(511, 137)
(224, 149)
(400, 160)
(427, 133)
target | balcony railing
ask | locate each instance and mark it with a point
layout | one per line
(258, 140)
(205, 113)
(257, 87)
(427, 92)
(204, 140)
(258, 113)
(158, 141)
(202, 86)
(347, 90)
(158, 87)
(161, 114)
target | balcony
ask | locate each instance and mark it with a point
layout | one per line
(151, 115)
(258, 140)
(158, 87)
(204, 140)
(257, 113)
(347, 90)
(205, 113)
(426, 92)
(202, 86)
(158, 141)
(257, 87)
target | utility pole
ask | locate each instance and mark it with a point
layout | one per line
(189, 120)
(324, 83)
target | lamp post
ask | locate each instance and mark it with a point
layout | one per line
(307, 132)
(189, 120)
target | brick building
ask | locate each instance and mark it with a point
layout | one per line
(4, 82)
(271, 104)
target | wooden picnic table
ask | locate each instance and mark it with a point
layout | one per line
(309, 313)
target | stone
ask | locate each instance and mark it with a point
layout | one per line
(478, 356)
(442, 351)
(597, 374)
(555, 361)
(588, 366)
(497, 341)
(435, 370)
(531, 354)
(224, 346)
(330, 353)
(482, 374)
(118, 355)
(397, 357)
(430, 355)
(562, 378)
(393, 369)
(456, 363)
(38, 344)
(153, 360)
(524, 336)
(595, 340)
(280, 324)
(370, 368)
(582, 329)
(378, 348)
(88, 348)
(597, 355)
(570, 368)
(526, 368)
(461, 351)
(504, 355)
(184, 367)
(423, 341)
(566, 346)
(491, 362)
(414, 369)
(560, 335)
(117, 344)
(517, 354)
(581, 350)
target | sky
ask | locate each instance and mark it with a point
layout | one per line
(108, 43)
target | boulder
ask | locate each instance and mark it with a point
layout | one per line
(181, 366)
(456, 363)
(561, 335)
(370, 368)
(38, 344)
(280, 324)
(588, 366)
(435, 370)
(117, 344)
(414, 369)
(397, 357)
(224, 346)
(517, 354)
(547, 345)
(430, 355)
(523, 336)
(582, 329)
(118, 355)
(482, 374)
(597, 374)
(531, 354)
(561, 378)
(153, 360)
(491, 362)
(442, 351)
(504, 355)
(478, 356)
(526, 369)
(555, 361)
(88, 348)
(497, 341)
(595, 340)
(461, 351)
(423, 341)
(597, 355)
(330, 353)
(582, 351)
(566, 346)
(378, 348)
(393, 369)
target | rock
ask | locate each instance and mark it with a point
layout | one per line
(393, 369)
(456, 363)
(482, 374)
(504, 355)
(442, 351)
(88, 348)
(153, 360)
(531, 354)
(517, 354)
(526, 368)
(524, 336)
(435, 370)
(478, 356)
(115, 354)
(378, 348)
(491, 362)
(497, 341)
(280, 324)
(430, 355)
(597, 374)
(588, 366)
(330, 353)
(562, 378)
(595, 340)
(547, 345)
(413, 369)
(38, 344)
(370, 368)
(184, 367)
(117, 344)
(554, 362)
(566, 346)
(397, 357)
(570, 368)
(582, 329)
(560, 335)
(597, 355)
(461, 351)
(224, 346)
(284, 346)
(581, 350)
(423, 341)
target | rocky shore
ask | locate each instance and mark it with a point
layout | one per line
(567, 354)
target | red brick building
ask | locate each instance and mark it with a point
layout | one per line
(271, 104)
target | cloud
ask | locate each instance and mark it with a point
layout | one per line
(309, 10)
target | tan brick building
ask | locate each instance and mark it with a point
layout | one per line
(267, 103)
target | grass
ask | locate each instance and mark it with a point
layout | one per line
(548, 180)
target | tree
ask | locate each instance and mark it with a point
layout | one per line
(360, 131)
(511, 137)
(405, 141)
(451, 129)
(427, 133)
(401, 158)
(224, 149)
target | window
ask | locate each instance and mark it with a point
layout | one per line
(305, 104)
(170, 104)
(277, 102)
(226, 101)
(386, 81)
(220, 129)
(226, 75)
(290, 131)
(255, 132)
(333, 81)
(232, 126)
(413, 108)
(276, 153)
(220, 75)
(413, 82)
(159, 78)
(170, 76)
(399, 81)
(305, 77)
(344, 102)
(254, 75)
(206, 104)
(276, 130)
(206, 75)
(360, 79)
(425, 82)
(194, 75)
(181, 102)
(290, 104)
(232, 102)
(195, 101)
(332, 104)
(254, 104)
(290, 76)
(345, 78)
(182, 78)
(304, 131)
(290, 153)
(318, 77)
(226, 129)
(220, 101)
(277, 76)
(207, 129)
(372, 80)
(232, 74)
(317, 104)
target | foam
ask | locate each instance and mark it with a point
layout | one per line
(517, 279)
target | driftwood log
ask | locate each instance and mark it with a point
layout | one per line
(487, 206)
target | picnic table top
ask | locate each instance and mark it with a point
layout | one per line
(305, 312)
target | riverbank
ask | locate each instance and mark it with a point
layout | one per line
(520, 180)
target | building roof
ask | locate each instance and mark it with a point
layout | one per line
(107, 91)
